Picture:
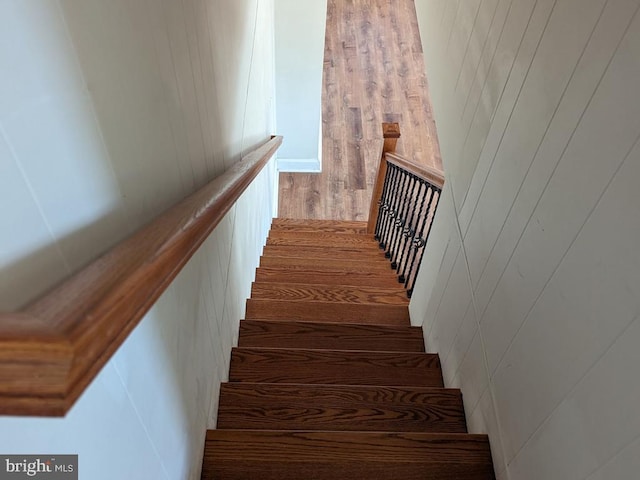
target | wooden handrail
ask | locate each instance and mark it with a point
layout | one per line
(431, 175)
(52, 349)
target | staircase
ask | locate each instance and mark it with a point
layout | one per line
(329, 380)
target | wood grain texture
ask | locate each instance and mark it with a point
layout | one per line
(295, 455)
(323, 239)
(56, 346)
(379, 264)
(331, 226)
(319, 311)
(329, 293)
(331, 381)
(340, 408)
(373, 73)
(345, 253)
(325, 277)
(273, 334)
(334, 367)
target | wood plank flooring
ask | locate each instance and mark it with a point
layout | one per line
(373, 73)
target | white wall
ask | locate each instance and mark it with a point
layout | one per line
(109, 113)
(300, 32)
(532, 278)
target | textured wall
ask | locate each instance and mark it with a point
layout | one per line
(532, 279)
(109, 113)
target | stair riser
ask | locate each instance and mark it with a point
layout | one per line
(264, 309)
(222, 468)
(329, 293)
(354, 470)
(255, 365)
(330, 336)
(346, 253)
(337, 455)
(329, 277)
(380, 265)
(312, 226)
(338, 408)
(362, 242)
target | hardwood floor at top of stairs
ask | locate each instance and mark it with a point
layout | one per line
(330, 381)
(373, 73)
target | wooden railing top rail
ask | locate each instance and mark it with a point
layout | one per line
(431, 175)
(52, 349)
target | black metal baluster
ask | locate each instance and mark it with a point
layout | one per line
(417, 239)
(391, 210)
(434, 207)
(423, 191)
(416, 227)
(406, 210)
(400, 221)
(386, 216)
(417, 244)
(421, 239)
(397, 208)
(384, 202)
(385, 207)
(406, 226)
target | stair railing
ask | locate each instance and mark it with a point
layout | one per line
(403, 205)
(54, 347)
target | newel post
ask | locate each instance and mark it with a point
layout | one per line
(391, 134)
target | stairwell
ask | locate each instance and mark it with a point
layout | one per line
(329, 379)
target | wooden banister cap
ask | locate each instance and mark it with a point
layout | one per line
(391, 130)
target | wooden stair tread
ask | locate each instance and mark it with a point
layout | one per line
(344, 253)
(325, 277)
(334, 312)
(331, 226)
(378, 265)
(322, 239)
(330, 293)
(334, 367)
(330, 380)
(338, 407)
(295, 455)
(255, 333)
